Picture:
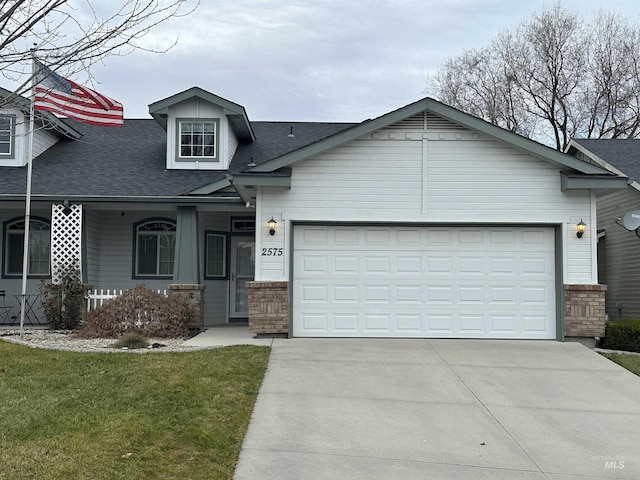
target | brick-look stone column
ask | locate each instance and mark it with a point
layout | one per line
(268, 308)
(194, 293)
(584, 310)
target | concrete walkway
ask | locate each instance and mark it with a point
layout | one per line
(226, 335)
(442, 409)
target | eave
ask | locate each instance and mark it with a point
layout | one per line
(571, 181)
(244, 180)
(179, 200)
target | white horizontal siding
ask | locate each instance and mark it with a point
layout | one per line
(42, 140)
(231, 145)
(390, 176)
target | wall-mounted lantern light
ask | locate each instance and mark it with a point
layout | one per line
(272, 226)
(581, 228)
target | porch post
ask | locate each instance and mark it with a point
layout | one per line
(186, 266)
(186, 269)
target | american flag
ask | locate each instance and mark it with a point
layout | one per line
(54, 93)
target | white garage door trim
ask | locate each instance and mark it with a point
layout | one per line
(419, 281)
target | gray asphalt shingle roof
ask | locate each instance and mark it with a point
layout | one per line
(130, 161)
(623, 154)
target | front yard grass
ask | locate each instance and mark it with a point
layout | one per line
(125, 415)
(630, 362)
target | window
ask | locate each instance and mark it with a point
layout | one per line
(243, 225)
(215, 255)
(39, 247)
(7, 137)
(155, 245)
(197, 139)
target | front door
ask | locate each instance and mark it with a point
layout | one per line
(243, 262)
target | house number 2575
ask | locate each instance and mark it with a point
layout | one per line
(272, 252)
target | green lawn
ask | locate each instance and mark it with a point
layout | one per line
(125, 415)
(630, 362)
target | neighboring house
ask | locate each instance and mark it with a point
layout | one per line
(424, 222)
(618, 247)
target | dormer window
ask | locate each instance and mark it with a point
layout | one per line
(198, 139)
(7, 136)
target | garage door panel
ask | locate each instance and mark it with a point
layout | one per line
(345, 293)
(314, 322)
(409, 294)
(535, 324)
(315, 293)
(440, 323)
(409, 265)
(503, 295)
(536, 295)
(470, 265)
(315, 264)
(377, 265)
(346, 323)
(472, 323)
(345, 264)
(345, 236)
(377, 294)
(502, 323)
(409, 323)
(407, 281)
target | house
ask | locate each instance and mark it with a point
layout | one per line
(618, 242)
(423, 222)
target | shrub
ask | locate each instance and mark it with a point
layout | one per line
(138, 310)
(63, 303)
(132, 341)
(623, 334)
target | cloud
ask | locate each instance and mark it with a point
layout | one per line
(322, 60)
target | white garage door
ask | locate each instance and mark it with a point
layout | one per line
(464, 282)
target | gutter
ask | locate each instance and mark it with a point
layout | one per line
(124, 199)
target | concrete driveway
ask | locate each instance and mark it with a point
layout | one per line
(442, 409)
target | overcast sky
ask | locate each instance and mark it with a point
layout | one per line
(316, 60)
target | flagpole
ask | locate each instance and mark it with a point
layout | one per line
(27, 207)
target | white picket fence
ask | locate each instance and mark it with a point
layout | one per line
(96, 298)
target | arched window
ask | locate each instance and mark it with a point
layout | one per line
(155, 245)
(39, 247)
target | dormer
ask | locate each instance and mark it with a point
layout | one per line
(14, 130)
(203, 130)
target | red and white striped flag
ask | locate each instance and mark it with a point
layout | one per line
(54, 93)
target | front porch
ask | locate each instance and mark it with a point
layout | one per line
(209, 247)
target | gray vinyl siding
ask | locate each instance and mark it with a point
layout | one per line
(441, 174)
(622, 254)
(109, 256)
(92, 247)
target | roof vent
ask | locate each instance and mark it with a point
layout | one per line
(291, 135)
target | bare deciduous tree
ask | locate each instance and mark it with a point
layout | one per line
(71, 35)
(552, 78)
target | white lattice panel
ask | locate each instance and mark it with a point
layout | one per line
(66, 239)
